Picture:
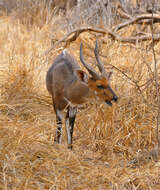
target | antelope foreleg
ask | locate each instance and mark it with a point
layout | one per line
(70, 119)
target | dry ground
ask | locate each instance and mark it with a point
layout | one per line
(113, 146)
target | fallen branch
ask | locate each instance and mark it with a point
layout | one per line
(133, 39)
(73, 35)
(135, 19)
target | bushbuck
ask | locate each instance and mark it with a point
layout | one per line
(70, 86)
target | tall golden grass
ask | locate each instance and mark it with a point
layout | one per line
(113, 146)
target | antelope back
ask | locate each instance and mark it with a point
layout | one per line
(66, 82)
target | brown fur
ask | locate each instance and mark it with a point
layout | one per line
(103, 94)
(64, 83)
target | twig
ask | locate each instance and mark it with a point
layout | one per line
(134, 82)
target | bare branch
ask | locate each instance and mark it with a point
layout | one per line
(68, 38)
(133, 82)
(72, 36)
(134, 20)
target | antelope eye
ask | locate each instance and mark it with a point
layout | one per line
(100, 86)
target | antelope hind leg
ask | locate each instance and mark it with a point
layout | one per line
(58, 137)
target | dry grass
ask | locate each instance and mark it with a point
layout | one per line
(112, 146)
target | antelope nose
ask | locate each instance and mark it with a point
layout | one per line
(115, 98)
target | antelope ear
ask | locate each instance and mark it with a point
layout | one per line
(82, 75)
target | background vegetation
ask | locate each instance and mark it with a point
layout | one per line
(115, 148)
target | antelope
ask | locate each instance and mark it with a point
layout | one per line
(70, 86)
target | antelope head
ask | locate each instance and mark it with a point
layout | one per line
(99, 83)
